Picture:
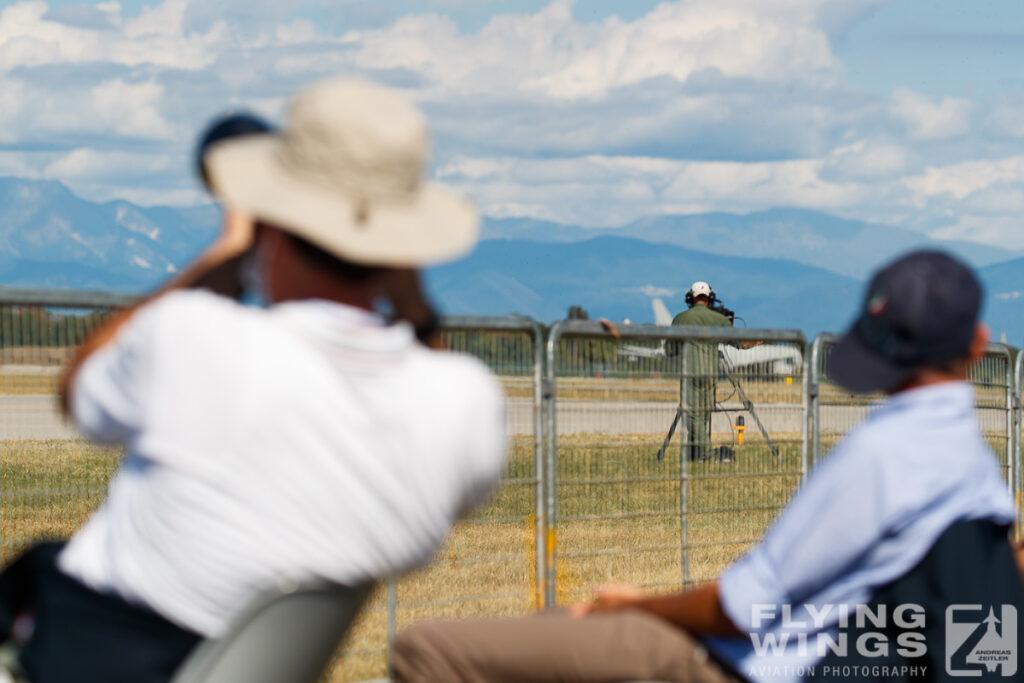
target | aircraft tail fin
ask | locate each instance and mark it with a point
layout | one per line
(661, 314)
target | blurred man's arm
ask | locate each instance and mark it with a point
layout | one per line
(699, 612)
(216, 269)
(408, 302)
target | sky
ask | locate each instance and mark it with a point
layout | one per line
(590, 112)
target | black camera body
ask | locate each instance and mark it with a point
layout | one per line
(719, 307)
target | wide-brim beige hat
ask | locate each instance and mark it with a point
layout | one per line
(346, 173)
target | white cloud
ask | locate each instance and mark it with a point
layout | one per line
(143, 196)
(131, 109)
(551, 55)
(28, 38)
(1003, 231)
(700, 105)
(654, 290)
(165, 19)
(925, 120)
(761, 185)
(609, 191)
(867, 160)
(94, 164)
(959, 180)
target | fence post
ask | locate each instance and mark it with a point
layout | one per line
(1016, 469)
(807, 398)
(392, 591)
(1011, 457)
(684, 460)
(550, 482)
(540, 497)
(813, 397)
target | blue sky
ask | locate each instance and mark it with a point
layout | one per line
(593, 112)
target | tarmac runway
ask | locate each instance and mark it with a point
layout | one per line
(38, 417)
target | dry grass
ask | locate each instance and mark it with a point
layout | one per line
(47, 488)
(618, 516)
(618, 520)
(16, 384)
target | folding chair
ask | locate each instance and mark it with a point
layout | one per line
(287, 635)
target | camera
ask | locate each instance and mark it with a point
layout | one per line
(719, 307)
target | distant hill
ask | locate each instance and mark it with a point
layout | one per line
(51, 238)
(615, 277)
(784, 268)
(1004, 300)
(852, 248)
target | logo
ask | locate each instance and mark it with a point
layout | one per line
(979, 640)
(877, 304)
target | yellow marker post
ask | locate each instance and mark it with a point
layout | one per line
(740, 427)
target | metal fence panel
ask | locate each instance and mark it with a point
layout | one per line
(628, 500)
(834, 411)
(50, 476)
(595, 450)
(992, 378)
(491, 563)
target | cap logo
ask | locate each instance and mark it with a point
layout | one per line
(877, 303)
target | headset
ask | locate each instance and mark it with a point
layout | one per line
(690, 301)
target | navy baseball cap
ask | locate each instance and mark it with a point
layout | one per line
(223, 128)
(919, 311)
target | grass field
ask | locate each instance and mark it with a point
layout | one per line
(14, 384)
(618, 520)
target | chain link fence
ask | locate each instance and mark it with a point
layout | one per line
(992, 378)
(490, 563)
(50, 477)
(669, 449)
(648, 454)
(835, 411)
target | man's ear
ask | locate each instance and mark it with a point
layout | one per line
(979, 342)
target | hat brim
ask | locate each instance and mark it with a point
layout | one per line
(855, 367)
(432, 226)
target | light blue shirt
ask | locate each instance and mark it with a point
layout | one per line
(865, 517)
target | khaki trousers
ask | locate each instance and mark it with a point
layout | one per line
(550, 648)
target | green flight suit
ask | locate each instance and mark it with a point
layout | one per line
(702, 371)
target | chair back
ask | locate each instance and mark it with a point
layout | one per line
(286, 635)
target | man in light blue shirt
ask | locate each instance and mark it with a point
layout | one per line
(865, 518)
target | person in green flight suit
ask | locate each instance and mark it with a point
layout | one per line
(701, 370)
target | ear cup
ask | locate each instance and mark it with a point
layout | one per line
(689, 298)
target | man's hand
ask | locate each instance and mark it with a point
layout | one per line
(697, 611)
(608, 598)
(402, 288)
(236, 233)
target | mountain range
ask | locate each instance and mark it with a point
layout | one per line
(784, 268)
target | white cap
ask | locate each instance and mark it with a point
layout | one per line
(700, 288)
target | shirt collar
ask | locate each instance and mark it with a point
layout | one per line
(956, 394)
(345, 325)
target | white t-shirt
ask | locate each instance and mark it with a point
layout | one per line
(307, 440)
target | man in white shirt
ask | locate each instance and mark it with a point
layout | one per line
(305, 439)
